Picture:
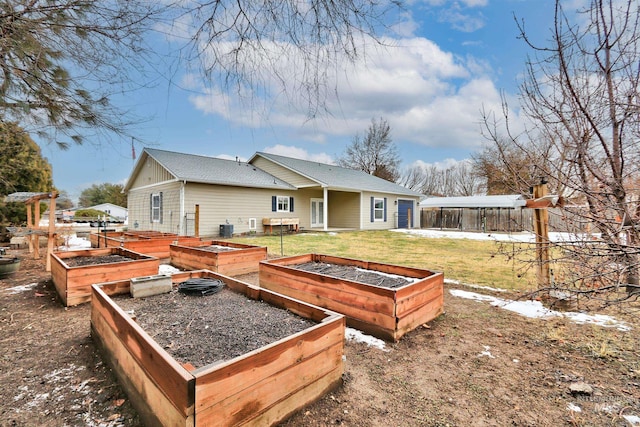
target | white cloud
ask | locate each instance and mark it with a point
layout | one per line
(429, 96)
(298, 153)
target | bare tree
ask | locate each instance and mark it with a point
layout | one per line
(465, 181)
(373, 153)
(457, 180)
(582, 94)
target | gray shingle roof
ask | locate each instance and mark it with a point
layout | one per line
(211, 170)
(337, 177)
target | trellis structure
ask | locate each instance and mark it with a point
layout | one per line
(33, 230)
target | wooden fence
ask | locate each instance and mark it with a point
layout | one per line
(500, 219)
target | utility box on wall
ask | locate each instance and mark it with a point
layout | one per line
(226, 230)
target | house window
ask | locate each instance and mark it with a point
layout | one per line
(156, 207)
(282, 204)
(378, 209)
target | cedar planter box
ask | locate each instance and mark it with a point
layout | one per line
(259, 388)
(387, 313)
(74, 283)
(231, 259)
(150, 243)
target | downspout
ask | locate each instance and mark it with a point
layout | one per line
(325, 207)
(182, 225)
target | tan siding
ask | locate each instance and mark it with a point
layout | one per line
(139, 208)
(344, 208)
(284, 174)
(151, 173)
(236, 206)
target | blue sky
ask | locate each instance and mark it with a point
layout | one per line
(447, 60)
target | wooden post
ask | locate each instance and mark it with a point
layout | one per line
(409, 218)
(541, 229)
(197, 222)
(36, 227)
(52, 229)
(29, 226)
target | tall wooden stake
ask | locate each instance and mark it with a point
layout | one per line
(541, 229)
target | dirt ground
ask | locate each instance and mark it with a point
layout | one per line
(476, 365)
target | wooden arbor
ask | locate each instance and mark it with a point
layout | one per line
(34, 231)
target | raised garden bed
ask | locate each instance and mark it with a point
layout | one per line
(74, 272)
(224, 257)
(382, 307)
(152, 243)
(171, 385)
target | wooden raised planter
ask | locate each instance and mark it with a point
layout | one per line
(259, 388)
(233, 258)
(74, 283)
(384, 312)
(150, 243)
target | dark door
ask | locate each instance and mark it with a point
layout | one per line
(405, 213)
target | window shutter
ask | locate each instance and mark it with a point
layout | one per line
(385, 209)
(274, 203)
(372, 205)
(161, 207)
(290, 204)
(151, 208)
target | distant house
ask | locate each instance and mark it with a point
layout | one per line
(166, 189)
(115, 211)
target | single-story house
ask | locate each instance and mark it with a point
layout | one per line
(115, 211)
(166, 189)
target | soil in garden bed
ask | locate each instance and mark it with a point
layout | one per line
(91, 260)
(205, 329)
(355, 274)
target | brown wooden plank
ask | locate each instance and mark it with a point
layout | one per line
(297, 400)
(239, 374)
(152, 405)
(333, 283)
(426, 282)
(350, 306)
(263, 393)
(299, 307)
(168, 374)
(357, 295)
(424, 292)
(424, 314)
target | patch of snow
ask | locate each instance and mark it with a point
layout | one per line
(633, 420)
(167, 269)
(471, 285)
(535, 309)
(358, 336)
(486, 352)
(73, 242)
(22, 288)
(574, 408)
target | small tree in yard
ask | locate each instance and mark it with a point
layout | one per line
(373, 153)
(582, 95)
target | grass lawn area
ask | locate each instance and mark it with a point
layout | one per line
(464, 260)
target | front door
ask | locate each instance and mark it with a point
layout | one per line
(405, 213)
(317, 213)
